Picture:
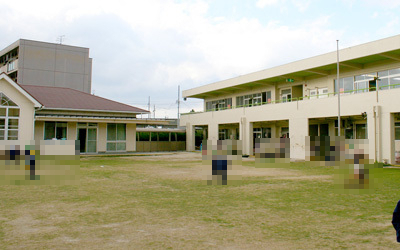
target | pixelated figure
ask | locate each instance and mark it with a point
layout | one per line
(272, 152)
(220, 168)
(325, 150)
(396, 220)
(30, 163)
(48, 162)
(224, 159)
(356, 173)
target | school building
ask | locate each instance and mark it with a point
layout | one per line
(300, 99)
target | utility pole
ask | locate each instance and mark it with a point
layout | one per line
(338, 84)
(177, 121)
(154, 111)
(149, 116)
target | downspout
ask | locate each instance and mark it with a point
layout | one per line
(34, 120)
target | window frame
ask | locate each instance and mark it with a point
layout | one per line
(6, 130)
(117, 141)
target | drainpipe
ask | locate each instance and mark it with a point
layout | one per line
(34, 120)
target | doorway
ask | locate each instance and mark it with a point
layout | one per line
(87, 136)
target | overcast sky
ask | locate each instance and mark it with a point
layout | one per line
(143, 48)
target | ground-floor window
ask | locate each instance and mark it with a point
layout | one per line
(56, 130)
(9, 118)
(397, 131)
(116, 137)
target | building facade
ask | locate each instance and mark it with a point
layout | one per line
(47, 64)
(300, 99)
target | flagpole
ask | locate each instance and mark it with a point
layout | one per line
(338, 84)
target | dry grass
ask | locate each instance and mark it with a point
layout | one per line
(160, 201)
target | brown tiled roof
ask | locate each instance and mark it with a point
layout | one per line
(65, 98)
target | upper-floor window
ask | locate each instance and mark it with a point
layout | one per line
(219, 104)
(11, 66)
(286, 95)
(369, 82)
(253, 99)
(9, 118)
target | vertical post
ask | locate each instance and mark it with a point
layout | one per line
(177, 121)
(338, 84)
(149, 108)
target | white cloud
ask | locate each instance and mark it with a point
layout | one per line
(148, 48)
(301, 5)
(264, 3)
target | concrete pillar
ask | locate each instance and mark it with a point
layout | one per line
(102, 138)
(387, 139)
(39, 130)
(371, 131)
(190, 137)
(213, 131)
(130, 137)
(246, 135)
(71, 131)
(298, 130)
(331, 126)
(274, 131)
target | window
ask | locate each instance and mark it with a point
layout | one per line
(361, 132)
(116, 137)
(286, 95)
(323, 93)
(10, 66)
(219, 104)
(318, 93)
(266, 97)
(397, 131)
(57, 130)
(9, 118)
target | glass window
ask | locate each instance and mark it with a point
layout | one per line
(13, 112)
(397, 131)
(56, 130)
(111, 132)
(116, 136)
(121, 132)
(12, 123)
(9, 122)
(395, 82)
(361, 132)
(5, 101)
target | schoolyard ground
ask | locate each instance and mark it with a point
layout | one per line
(161, 201)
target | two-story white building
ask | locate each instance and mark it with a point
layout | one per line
(299, 99)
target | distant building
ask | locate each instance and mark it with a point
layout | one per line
(47, 64)
(300, 99)
(45, 94)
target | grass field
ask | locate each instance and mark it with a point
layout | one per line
(162, 202)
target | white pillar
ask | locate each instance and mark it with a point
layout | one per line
(387, 139)
(213, 131)
(190, 137)
(298, 130)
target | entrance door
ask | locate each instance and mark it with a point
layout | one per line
(88, 140)
(82, 139)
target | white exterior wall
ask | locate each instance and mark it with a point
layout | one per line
(299, 112)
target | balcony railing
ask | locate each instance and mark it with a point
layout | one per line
(302, 98)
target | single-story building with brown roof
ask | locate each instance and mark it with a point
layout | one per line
(44, 113)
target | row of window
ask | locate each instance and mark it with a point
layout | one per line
(253, 99)
(386, 79)
(219, 104)
(369, 82)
